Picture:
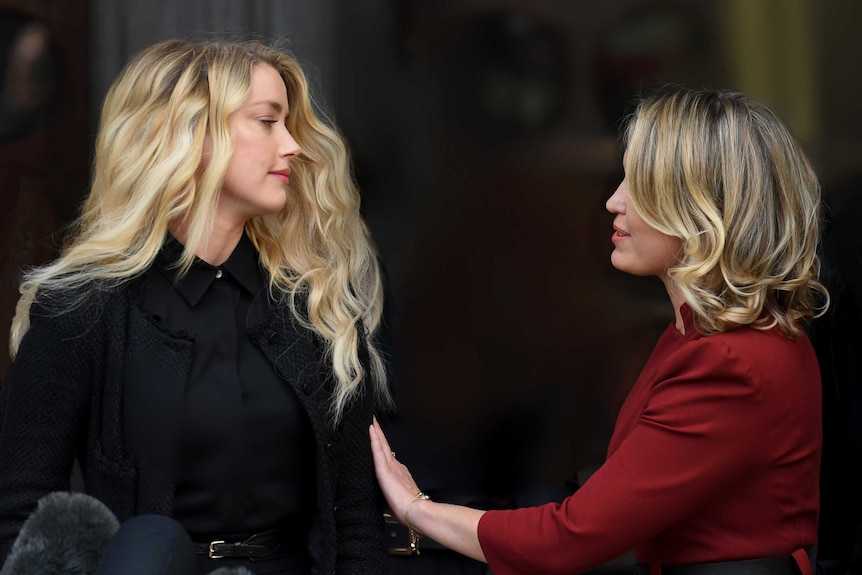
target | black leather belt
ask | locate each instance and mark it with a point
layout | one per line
(783, 565)
(257, 546)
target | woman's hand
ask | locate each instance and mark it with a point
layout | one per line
(395, 480)
(454, 526)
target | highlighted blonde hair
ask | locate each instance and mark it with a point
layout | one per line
(149, 175)
(720, 171)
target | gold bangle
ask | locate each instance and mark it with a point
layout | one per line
(415, 536)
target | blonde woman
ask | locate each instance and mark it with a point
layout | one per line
(713, 465)
(205, 345)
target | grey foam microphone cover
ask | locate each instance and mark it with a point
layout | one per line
(66, 535)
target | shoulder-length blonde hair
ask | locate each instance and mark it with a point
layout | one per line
(149, 175)
(720, 171)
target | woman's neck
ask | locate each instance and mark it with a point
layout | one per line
(217, 246)
(676, 299)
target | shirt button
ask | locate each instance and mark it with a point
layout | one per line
(219, 273)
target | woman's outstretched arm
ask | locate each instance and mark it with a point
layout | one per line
(454, 526)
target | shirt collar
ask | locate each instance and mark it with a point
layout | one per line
(243, 265)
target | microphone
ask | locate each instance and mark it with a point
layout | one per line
(149, 545)
(76, 534)
(66, 535)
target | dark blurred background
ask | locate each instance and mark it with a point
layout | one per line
(485, 138)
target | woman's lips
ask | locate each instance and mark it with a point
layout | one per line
(619, 235)
(282, 175)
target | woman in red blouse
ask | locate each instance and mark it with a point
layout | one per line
(714, 462)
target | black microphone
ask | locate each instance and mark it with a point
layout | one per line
(66, 535)
(149, 545)
(76, 534)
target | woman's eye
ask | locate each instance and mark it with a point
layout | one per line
(270, 122)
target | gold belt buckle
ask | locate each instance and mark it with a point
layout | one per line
(397, 551)
(212, 554)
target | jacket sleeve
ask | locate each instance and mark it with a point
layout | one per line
(43, 413)
(358, 500)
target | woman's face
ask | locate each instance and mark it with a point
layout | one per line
(639, 249)
(256, 179)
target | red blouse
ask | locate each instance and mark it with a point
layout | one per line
(715, 456)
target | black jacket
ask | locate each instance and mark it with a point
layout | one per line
(104, 383)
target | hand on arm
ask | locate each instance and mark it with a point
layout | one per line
(454, 526)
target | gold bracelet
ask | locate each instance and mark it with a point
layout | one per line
(415, 536)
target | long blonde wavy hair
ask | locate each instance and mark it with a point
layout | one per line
(149, 175)
(720, 171)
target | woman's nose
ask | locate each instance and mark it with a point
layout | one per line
(615, 203)
(288, 146)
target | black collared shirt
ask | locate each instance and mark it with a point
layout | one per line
(246, 446)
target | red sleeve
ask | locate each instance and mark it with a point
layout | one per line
(694, 437)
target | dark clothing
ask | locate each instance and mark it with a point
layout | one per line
(105, 380)
(279, 565)
(432, 562)
(245, 446)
